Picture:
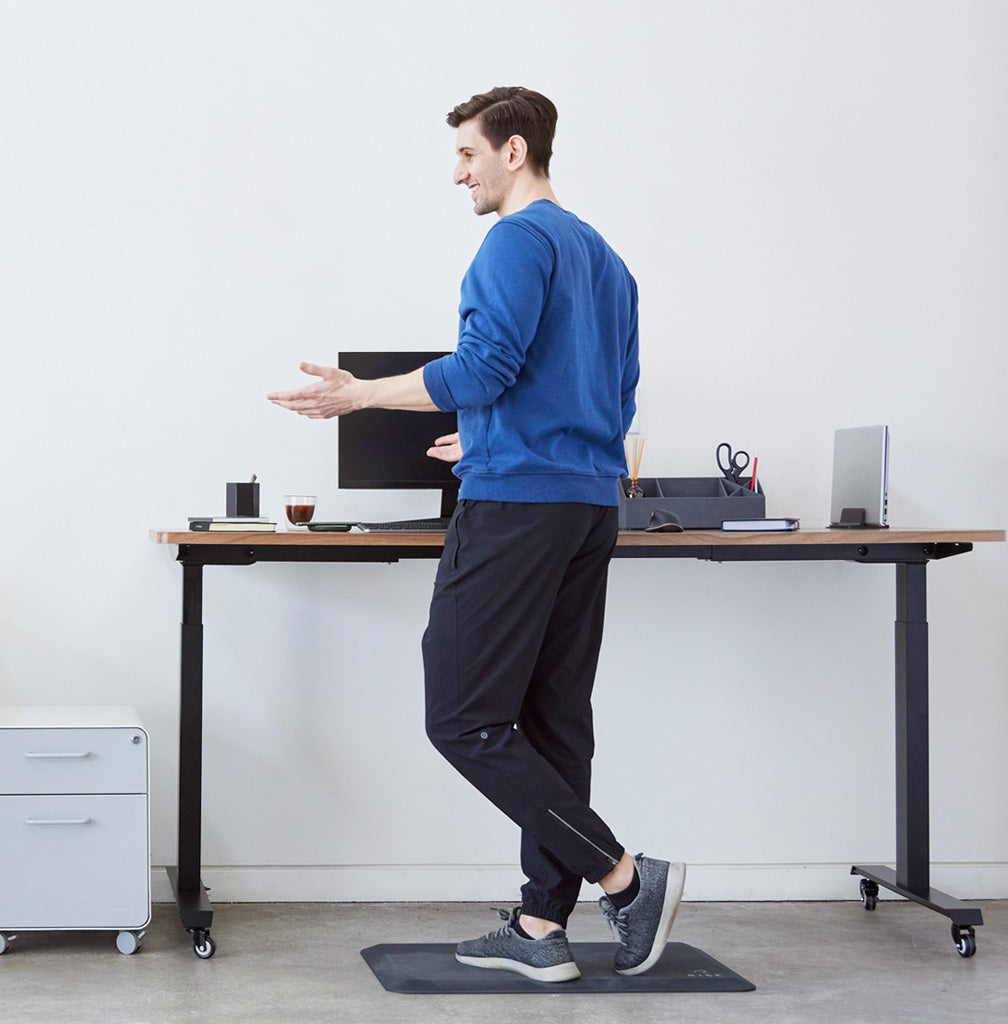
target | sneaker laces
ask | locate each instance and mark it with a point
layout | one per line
(618, 920)
(510, 916)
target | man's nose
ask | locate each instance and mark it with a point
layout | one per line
(460, 175)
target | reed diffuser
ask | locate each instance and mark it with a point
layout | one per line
(633, 445)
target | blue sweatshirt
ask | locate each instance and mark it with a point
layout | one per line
(546, 366)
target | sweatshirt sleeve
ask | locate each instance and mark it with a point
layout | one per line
(503, 294)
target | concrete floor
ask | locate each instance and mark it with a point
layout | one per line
(811, 962)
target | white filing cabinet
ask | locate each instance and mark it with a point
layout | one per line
(74, 822)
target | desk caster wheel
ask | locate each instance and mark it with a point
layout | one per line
(965, 940)
(203, 945)
(5, 942)
(869, 893)
(129, 942)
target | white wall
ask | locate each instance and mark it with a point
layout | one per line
(197, 195)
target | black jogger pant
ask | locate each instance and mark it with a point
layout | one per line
(510, 654)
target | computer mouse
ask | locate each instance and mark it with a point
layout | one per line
(663, 521)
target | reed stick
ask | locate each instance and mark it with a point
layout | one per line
(634, 447)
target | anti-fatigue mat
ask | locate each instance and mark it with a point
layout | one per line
(431, 969)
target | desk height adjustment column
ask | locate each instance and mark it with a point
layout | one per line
(194, 906)
(913, 833)
(912, 877)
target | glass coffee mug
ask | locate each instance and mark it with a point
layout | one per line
(299, 508)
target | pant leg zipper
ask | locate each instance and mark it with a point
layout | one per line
(607, 856)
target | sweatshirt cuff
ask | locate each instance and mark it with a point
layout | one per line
(434, 382)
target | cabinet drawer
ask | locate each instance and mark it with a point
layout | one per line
(73, 761)
(74, 862)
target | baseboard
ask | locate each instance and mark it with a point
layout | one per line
(450, 883)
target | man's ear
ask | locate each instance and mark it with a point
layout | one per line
(516, 151)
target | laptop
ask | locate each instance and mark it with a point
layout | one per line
(860, 477)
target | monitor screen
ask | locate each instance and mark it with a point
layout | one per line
(386, 449)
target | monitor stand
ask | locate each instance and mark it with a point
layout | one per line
(854, 519)
(449, 499)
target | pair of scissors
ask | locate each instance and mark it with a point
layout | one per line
(731, 463)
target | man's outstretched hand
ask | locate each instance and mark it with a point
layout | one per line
(336, 393)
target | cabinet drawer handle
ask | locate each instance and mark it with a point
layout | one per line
(78, 755)
(57, 821)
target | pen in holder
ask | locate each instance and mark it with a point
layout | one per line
(633, 445)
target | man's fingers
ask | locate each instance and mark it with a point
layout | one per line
(446, 449)
(329, 396)
(307, 391)
(290, 401)
(302, 395)
(325, 372)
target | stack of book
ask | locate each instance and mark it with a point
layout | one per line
(233, 524)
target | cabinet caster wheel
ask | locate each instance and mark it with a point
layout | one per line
(965, 941)
(203, 945)
(129, 942)
(5, 942)
(869, 893)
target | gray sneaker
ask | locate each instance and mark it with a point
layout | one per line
(545, 959)
(643, 926)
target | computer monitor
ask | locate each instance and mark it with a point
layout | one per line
(386, 449)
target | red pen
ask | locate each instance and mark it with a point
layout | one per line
(752, 483)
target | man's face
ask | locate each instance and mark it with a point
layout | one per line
(481, 169)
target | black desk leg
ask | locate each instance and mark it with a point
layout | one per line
(912, 877)
(913, 823)
(194, 906)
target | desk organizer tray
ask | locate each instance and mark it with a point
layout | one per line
(701, 503)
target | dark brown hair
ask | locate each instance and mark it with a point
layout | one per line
(512, 110)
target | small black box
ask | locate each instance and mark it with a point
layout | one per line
(242, 499)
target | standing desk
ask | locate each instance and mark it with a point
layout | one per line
(909, 551)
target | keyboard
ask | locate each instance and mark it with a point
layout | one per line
(407, 526)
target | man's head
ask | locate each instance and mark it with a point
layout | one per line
(507, 111)
(504, 144)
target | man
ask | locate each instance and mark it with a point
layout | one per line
(543, 380)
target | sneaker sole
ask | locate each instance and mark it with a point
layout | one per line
(673, 896)
(558, 972)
